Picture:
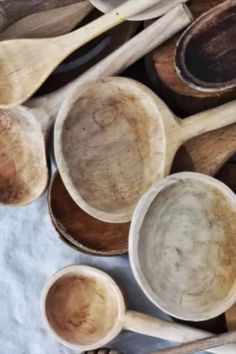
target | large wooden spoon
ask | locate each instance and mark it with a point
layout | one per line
(24, 176)
(48, 23)
(205, 55)
(26, 64)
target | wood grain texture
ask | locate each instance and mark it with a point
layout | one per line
(94, 134)
(80, 229)
(100, 297)
(206, 153)
(161, 61)
(155, 11)
(24, 66)
(48, 23)
(184, 227)
(14, 10)
(205, 54)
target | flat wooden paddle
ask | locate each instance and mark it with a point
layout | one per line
(48, 23)
(201, 344)
(26, 64)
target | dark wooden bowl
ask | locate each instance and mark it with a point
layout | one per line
(80, 230)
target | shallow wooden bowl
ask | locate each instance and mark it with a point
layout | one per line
(80, 230)
(182, 246)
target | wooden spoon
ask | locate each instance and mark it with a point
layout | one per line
(85, 296)
(202, 344)
(184, 226)
(79, 229)
(42, 117)
(26, 64)
(48, 23)
(115, 138)
(157, 10)
(14, 10)
(205, 54)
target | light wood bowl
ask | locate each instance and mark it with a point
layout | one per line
(182, 246)
(80, 230)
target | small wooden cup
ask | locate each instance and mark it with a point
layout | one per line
(80, 230)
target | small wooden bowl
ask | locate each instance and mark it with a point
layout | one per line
(80, 230)
(182, 246)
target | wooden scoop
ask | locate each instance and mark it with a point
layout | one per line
(115, 138)
(26, 64)
(203, 344)
(14, 10)
(205, 55)
(157, 10)
(79, 297)
(184, 226)
(48, 23)
(81, 231)
(39, 123)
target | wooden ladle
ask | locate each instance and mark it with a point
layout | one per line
(79, 298)
(23, 177)
(26, 64)
(115, 138)
(205, 54)
(49, 22)
(184, 226)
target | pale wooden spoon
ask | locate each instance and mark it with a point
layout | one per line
(26, 63)
(115, 138)
(19, 184)
(202, 344)
(48, 23)
(86, 296)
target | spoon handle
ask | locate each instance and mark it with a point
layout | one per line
(202, 344)
(170, 331)
(154, 35)
(207, 121)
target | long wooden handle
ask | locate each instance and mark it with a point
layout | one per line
(126, 55)
(170, 331)
(202, 344)
(12, 11)
(48, 23)
(207, 121)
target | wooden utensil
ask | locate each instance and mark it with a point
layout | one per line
(202, 344)
(80, 297)
(79, 229)
(12, 11)
(95, 131)
(24, 66)
(184, 226)
(157, 10)
(48, 23)
(49, 106)
(206, 153)
(206, 50)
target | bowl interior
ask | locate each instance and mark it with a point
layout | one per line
(186, 250)
(81, 308)
(82, 230)
(23, 165)
(112, 147)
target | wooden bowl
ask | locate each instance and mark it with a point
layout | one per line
(80, 230)
(182, 246)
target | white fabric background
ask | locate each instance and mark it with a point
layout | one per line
(30, 252)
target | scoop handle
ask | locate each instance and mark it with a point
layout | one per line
(170, 331)
(154, 35)
(203, 344)
(207, 121)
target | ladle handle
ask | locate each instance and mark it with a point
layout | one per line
(203, 344)
(207, 121)
(170, 331)
(161, 30)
